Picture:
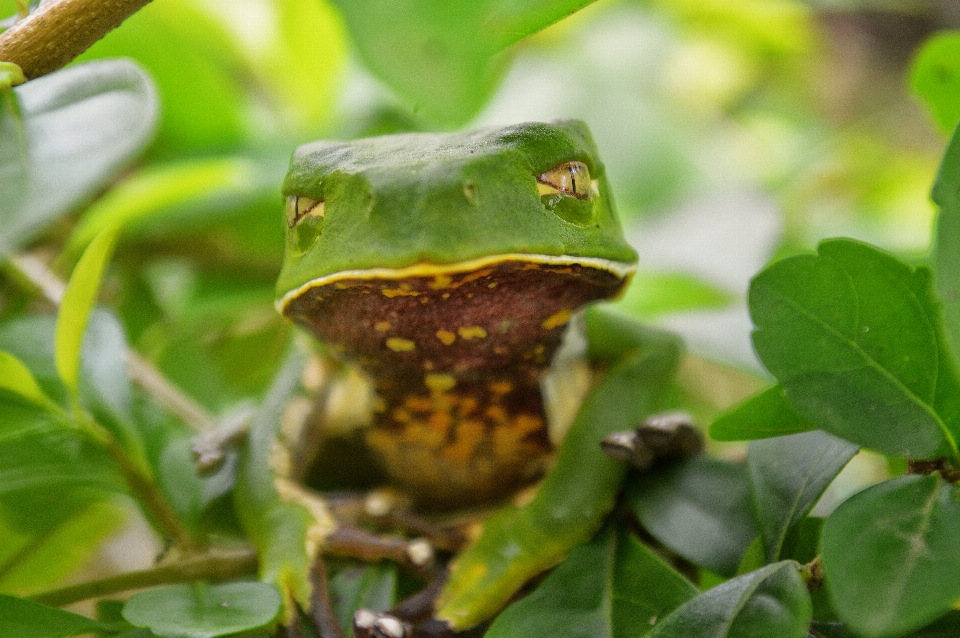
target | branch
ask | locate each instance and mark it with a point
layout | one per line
(60, 30)
(214, 567)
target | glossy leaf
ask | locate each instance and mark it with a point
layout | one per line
(203, 611)
(854, 337)
(17, 378)
(24, 619)
(73, 131)
(890, 555)
(77, 302)
(935, 77)
(699, 508)
(440, 54)
(763, 415)
(946, 194)
(771, 601)
(788, 475)
(611, 587)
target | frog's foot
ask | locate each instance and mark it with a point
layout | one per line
(411, 618)
(353, 542)
(387, 510)
(665, 436)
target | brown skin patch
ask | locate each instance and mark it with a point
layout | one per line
(458, 372)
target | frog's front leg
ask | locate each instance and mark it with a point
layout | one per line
(637, 365)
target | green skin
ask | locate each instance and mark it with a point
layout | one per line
(401, 216)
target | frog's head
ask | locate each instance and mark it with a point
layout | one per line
(406, 209)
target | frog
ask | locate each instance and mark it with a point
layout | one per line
(462, 274)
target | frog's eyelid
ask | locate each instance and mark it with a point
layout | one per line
(299, 207)
(569, 178)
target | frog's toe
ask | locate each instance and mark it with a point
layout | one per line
(664, 436)
(367, 624)
(353, 542)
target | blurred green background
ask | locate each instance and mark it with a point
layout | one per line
(734, 131)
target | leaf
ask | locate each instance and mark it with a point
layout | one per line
(935, 77)
(203, 611)
(771, 601)
(890, 555)
(763, 415)
(24, 619)
(78, 300)
(946, 258)
(372, 587)
(788, 475)
(35, 562)
(277, 528)
(73, 130)
(612, 586)
(699, 508)
(440, 54)
(157, 189)
(17, 378)
(853, 336)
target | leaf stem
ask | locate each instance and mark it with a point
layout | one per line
(213, 566)
(59, 31)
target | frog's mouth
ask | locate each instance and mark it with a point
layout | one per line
(442, 273)
(491, 312)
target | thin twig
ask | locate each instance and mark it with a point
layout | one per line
(56, 33)
(214, 567)
(141, 371)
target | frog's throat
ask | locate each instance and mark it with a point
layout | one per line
(622, 270)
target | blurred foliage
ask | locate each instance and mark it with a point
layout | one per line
(792, 115)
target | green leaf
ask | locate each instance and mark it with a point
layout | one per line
(203, 611)
(24, 619)
(772, 601)
(763, 415)
(34, 562)
(78, 300)
(72, 131)
(935, 77)
(17, 378)
(699, 508)
(853, 336)
(277, 528)
(890, 555)
(788, 475)
(372, 587)
(440, 54)
(611, 587)
(946, 259)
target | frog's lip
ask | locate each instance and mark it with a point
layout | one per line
(620, 269)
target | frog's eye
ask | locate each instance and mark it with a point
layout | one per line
(569, 178)
(299, 207)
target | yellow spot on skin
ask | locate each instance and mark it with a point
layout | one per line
(440, 382)
(492, 284)
(441, 281)
(390, 293)
(556, 319)
(472, 332)
(500, 387)
(382, 326)
(446, 337)
(401, 345)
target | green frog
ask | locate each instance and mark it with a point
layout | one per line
(457, 271)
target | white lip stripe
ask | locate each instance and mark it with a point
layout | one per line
(619, 268)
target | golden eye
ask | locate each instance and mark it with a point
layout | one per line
(299, 207)
(569, 178)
